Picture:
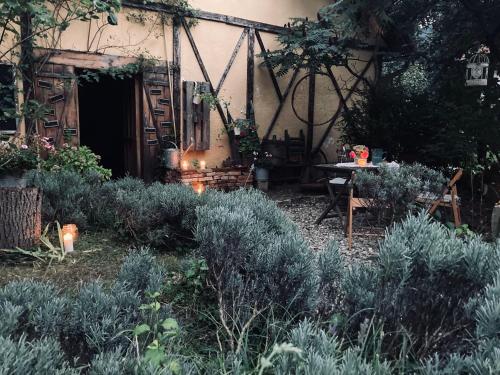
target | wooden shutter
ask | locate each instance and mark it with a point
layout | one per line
(158, 125)
(56, 88)
(196, 117)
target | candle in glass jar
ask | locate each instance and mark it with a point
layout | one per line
(68, 242)
(203, 164)
(185, 165)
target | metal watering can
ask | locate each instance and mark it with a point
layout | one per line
(172, 157)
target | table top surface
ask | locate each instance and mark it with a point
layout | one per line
(350, 166)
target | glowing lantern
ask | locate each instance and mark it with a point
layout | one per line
(72, 229)
(477, 70)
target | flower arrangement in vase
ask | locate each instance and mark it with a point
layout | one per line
(360, 154)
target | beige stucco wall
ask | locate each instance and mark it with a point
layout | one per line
(216, 42)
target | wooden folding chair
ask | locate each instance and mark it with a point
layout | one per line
(449, 198)
(352, 204)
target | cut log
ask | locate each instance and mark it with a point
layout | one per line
(20, 217)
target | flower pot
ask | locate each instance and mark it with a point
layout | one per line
(361, 162)
(261, 174)
(17, 180)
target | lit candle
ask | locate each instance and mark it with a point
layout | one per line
(203, 164)
(185, 165)
(200, 189)
(68, 242)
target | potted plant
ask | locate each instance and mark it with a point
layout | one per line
(262, 163)
(360, 154)
(16, 158)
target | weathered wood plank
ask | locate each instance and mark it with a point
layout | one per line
(268, 66)
(205, 134)
(177, 75)
(188, 132)
(231, 61)
(209, 16)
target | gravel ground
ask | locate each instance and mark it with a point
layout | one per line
(305, 209)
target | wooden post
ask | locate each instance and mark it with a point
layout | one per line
(250, 73)
(20, 217)
(310, 126)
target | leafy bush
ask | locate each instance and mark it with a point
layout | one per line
(256, 259)
(140, 273)
(95, 320)
(65, 195)
(32, 308)
(422, 284)
(79, 159)
(154, 214)
(394, 190)
(44, 357)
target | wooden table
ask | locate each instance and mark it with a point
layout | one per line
(331, 170)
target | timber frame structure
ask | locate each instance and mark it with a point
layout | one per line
(252, 31)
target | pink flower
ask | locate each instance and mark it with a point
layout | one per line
(24, 147)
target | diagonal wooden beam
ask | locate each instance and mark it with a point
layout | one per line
(336, 85)
(204, 70)
(231, 61)
(342, 106)
(268, 65)
(281, 104)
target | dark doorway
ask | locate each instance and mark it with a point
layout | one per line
(107, 126)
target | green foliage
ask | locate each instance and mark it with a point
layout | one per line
(421, 285)
(44, 357)
(133, 275)
(93, 321)
(16, 158)
(394, 190)
(79, 159)
(157, 214)
(65, 196)
(257, 262)
(307, 44)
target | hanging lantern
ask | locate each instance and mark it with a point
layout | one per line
(477, 70)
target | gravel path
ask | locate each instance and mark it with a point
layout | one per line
(304, 210)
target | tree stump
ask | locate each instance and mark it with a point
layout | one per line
(20, 217)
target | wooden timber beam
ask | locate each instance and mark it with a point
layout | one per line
(231, 61)
(250, 73)
(203, 70)
(281, 104)
(342, 106)
(268, 66)
(209, 16)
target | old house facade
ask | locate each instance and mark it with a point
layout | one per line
(130, 119)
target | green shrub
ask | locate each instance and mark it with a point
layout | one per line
(256, 259)
(395, 190)
(95, 320)
(141, 273)
(44, 357)
(79, 159)
(422, 284)
(65, 195)
(157, 214)
(32, 308)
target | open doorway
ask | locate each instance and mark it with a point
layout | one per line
(107, 126)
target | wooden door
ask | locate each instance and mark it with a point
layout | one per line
(56, 88)
(158, 124)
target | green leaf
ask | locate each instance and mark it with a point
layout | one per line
(140, 329)
(170, 326)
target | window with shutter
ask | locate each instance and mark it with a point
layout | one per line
(8, 123)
